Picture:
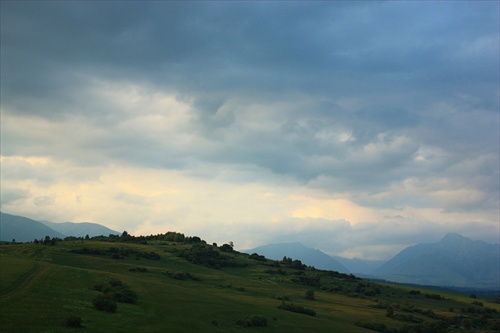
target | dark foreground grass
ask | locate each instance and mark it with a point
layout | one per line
(42, 287)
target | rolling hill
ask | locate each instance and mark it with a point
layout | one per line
(173, 283)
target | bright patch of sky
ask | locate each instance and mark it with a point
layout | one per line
(357, 128)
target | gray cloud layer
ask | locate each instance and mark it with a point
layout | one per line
(391, 100)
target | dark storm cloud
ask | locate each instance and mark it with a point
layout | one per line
(384, 82)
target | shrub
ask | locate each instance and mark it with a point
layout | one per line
(253, 321)
(434, 296)
(74, 322)
(181, 275)
(125, 295)
(102, 303)
(257, 257)
(281, 297)
(379, 327)
(297, 309)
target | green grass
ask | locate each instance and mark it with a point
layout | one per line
(41, 286)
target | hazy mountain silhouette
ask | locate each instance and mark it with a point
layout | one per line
(359, 266)
(308, 256)
(454, 261)
(80, 229)
(23, 229)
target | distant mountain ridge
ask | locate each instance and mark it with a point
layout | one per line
(454, 261)
(316, 258)
(308, 256)
(23, 229)
(80, 229)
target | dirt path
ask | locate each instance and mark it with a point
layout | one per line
(25, 283)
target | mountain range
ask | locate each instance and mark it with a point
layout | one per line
(23, 229)
(455, 261)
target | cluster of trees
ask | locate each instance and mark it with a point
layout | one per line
(170, 236)
(112, 292)
(294, 264)
(253, 321)
(209, 256)
(46, 241)
(255, 256)
(118, 253)
(297, 309)
(181, 275)
(485, 319)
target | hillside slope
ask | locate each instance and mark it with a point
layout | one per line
(160, 285)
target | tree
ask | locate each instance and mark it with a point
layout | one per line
(226, 248)
(87, 237)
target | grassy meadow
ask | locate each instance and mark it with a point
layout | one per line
(186, 287)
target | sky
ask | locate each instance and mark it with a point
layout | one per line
(356, 128)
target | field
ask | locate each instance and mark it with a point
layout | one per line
(195, 287)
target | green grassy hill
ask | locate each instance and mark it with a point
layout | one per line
(189, 286)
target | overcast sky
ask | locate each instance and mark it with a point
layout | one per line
(358, 128)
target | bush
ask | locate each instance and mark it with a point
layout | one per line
(112, 292)
(297, 309)
(125, 295)
(102, 303)
(253, 321)
(434, 296)
(74, 322)
(379, 327)
(181, 275)
(281, 297)
(257, 257)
